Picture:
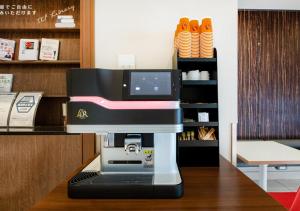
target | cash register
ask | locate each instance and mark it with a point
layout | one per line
(137, 113)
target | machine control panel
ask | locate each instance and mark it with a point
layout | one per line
(150, 84)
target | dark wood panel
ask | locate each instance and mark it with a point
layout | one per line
(269, 75)
(248, 77)
(224, 188)
(31, 166)
(43, 8)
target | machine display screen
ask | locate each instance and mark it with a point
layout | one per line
(150, 83)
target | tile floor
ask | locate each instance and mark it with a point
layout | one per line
(282, 185)
(287, 180)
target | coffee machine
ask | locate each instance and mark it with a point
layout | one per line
(138, 114)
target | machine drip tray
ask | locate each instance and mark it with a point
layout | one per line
(111, 180)
(95, 185)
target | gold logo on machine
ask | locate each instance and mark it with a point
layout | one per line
(82, 114)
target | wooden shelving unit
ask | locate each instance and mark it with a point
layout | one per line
(200, 83)
(198, 143)
(45, 155)
(58, 130)
(49, 30)
(197, 60)
(46, 76)
(200, 124)
(199, 105)
(15, 62)
(199, 96)
(76, 50)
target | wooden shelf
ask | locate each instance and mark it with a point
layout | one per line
(55, 96)
(198, 143)
(38, 130)
(199, 82)
(58, 62)
(54, 30)
(199, 105)
(196, 60)
(200, 124)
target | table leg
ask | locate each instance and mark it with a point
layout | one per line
(263, 176)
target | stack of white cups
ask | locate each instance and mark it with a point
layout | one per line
(204, 75)
(195, 75)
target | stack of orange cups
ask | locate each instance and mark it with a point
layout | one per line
(185, 39)
(176, 38)
(206, 39)
(194, 28)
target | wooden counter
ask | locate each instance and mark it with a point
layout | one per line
(224, 188)
(33, 165)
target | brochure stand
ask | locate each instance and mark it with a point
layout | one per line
(6, 102)
(24, 109)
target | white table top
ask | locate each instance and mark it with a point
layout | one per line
(267, 152)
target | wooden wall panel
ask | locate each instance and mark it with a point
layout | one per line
(87, 60)
(51, 80)
(87, 52)
(88, 147)
(269, 75)
(248, 78)
(31, 166)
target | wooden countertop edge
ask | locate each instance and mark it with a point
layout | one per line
(63, 183)
(263, 162)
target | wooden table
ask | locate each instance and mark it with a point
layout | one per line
(224, 188)
(264, 153)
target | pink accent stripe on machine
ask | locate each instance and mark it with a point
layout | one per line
(126, 105)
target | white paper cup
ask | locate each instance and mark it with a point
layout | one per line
(204, 75)
(193, 75)
(184, 76)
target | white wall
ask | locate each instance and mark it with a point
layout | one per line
(145, 28)
(269, 4)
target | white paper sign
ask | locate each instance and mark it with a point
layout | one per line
(24, 109)
(6, 81)
(6, 102)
